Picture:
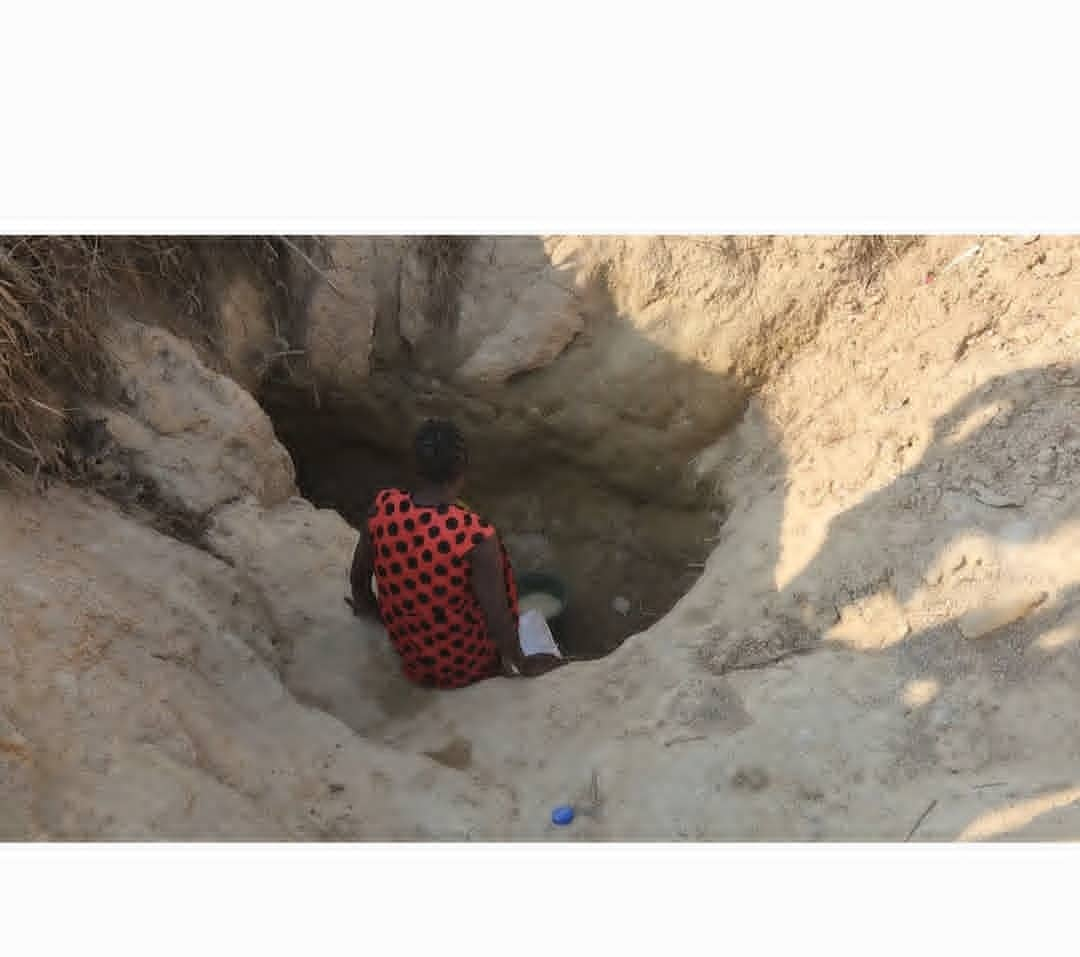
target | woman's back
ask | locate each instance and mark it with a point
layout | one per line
(426, 599)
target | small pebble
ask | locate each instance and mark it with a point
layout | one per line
(621, 605)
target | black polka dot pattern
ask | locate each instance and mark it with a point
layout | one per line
(425, 598)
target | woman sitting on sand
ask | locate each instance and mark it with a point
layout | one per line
(445, 588)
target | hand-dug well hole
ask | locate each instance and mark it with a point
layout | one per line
(626, 562)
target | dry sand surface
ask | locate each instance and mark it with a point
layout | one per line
(878, 640)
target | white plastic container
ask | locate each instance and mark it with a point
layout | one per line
(535, 635)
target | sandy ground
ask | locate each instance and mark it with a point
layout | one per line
(882, 645)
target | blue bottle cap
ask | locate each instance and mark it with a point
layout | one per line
(562, 815)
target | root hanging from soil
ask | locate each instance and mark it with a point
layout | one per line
(55, 296)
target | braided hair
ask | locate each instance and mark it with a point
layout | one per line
(441, 455)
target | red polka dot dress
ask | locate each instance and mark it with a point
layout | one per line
(426, 599)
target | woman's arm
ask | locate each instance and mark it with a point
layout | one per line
(362, 600)
(490, 587)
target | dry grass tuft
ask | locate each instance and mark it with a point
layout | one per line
(866, 257)
(443, 258)
(742, 257)
(55, 293)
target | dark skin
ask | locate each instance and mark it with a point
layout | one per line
(363, 601)
(485, 568)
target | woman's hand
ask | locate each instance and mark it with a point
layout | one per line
(533, 666)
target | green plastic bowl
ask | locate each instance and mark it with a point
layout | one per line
(546, 583)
